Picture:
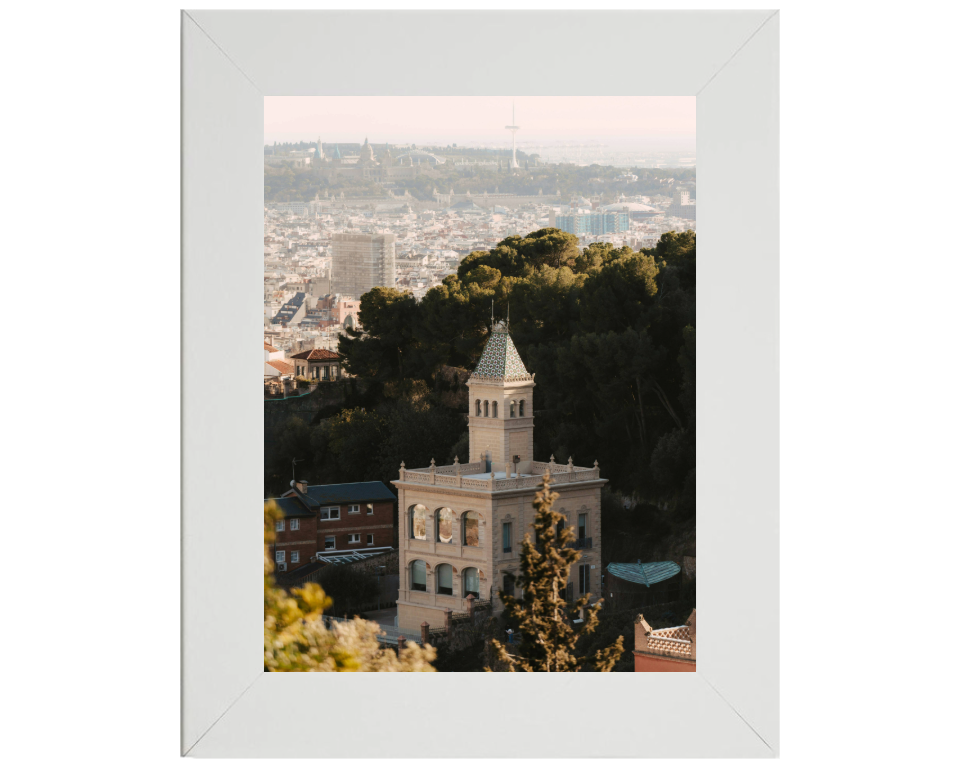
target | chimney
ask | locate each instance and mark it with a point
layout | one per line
(300, 485)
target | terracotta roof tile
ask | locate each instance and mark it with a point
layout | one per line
(268, 348)
(282, 366)
(316, 354)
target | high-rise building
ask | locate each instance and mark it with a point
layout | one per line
(362, 262)
(605, 223)
(683, 206)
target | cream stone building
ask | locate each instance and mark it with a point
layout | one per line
(461, 525)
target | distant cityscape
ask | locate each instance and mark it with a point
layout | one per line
(369, 229)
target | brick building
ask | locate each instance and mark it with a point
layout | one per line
(672, 649)
(322, 520)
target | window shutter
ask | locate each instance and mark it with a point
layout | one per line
(445, 577)
(419, 572)
(471, 580)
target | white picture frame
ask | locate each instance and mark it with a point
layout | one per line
(730, 706)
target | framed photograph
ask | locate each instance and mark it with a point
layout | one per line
(478, 271)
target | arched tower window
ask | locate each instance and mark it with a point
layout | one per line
(418, 522)
(494, 409)
(478, 407)
(471, 529)
(521, 409)
(513, 409)
(486, 408)
(445, 526)
(444, 579)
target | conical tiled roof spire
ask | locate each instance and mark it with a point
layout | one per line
(500, 360)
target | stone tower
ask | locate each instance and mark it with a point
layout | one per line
(501, 405)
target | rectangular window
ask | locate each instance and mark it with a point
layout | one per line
(582, 527)
(281, 556)
(471, 582)
(329, 513)
(330, 542)
(369, 509)
(295, 556)
(353, 538)
(295, 524)
(418, 576)
(353, 509)
(444, 580)
(280, 525)
(584, 579)
(369, 539)
(507, 538)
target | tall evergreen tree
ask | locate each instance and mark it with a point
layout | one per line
(544, 619)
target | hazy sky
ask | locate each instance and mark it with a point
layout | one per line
(653, 120)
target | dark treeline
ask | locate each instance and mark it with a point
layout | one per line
(609, 333)
(285, 183)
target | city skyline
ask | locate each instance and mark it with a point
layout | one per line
(653, 123)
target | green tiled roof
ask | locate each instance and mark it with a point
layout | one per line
(644, 573)
(500, 359)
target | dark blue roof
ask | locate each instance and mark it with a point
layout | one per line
(291, 507)
(340, 493)
(350, 492)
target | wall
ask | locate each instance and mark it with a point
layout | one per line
(303, 541)
(380, 524)
(643, 662)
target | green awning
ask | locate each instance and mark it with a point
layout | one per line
(647, 574)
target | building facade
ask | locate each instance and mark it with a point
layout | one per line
(608, 222)
(362, 262)
(461, 526)
(324, 520)
(320, 364)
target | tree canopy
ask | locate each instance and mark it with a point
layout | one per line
(609, 332)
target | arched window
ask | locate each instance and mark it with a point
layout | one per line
(471, 529)
(444, 579)
(513, 409)
(418, 522)
(521, 409)
(445, 526)
(509, 584)
(478, 407)
(418, 576)
(471, 582)
(494, 409)
(486, 408)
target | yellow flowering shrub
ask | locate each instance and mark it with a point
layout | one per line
(296, 640)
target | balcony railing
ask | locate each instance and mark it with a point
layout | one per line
(583, 543)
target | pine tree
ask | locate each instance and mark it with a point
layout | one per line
(544, 619)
